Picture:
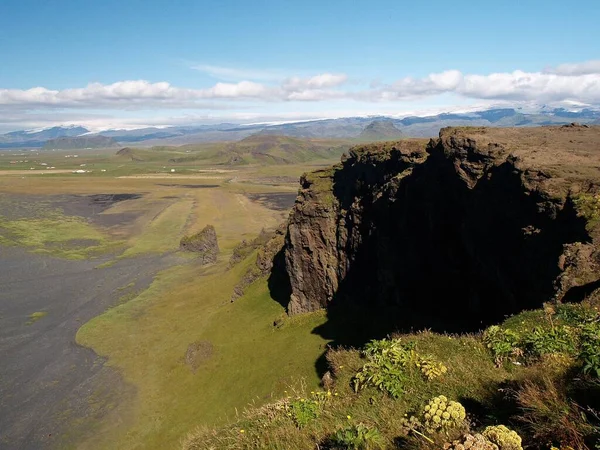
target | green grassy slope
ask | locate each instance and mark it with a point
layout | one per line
(251, 360)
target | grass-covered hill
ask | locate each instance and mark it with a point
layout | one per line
(278, 149)
(260, 149)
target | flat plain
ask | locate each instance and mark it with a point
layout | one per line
(99, 307)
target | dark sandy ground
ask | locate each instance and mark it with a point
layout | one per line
(53, 391)
(279, 201)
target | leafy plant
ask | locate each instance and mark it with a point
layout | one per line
(389, 366)
(304, 411)
(432, 369)
(542, 341)
(392, 350)
(386, 369)
(386, 376)
(589, 352)
(575, 314)
(503, 343)
(357, 437)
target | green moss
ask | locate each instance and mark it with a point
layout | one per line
(588, 207)
(321, 185)
(56, 234)
(34, 317)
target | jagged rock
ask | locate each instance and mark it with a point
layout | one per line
(244, 248)
(204, 243)
(327, 381)
(472, 226)
(268, 244)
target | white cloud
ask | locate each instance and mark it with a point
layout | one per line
(324, 80)
(577, 84)
(584, 68)
(514, 86)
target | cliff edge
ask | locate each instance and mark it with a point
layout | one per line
(463, 229)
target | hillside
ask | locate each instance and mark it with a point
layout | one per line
(276, 149)
(402, 243)
(380, 130)
(80, 142)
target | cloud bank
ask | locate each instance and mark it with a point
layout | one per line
(577, 83)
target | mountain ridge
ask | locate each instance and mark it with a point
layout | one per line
(426, 126)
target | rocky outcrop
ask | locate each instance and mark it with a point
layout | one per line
(268, 245)
(204, 243)
(469, 227)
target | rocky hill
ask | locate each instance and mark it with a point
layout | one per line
(453, 233)
(380, 130)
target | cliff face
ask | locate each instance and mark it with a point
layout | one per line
(470, 227)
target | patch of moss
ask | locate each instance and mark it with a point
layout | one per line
(588, 207)
(34, 317)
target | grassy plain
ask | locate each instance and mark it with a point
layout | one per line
(146, 338)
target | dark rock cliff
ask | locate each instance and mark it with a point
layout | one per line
(463, 230)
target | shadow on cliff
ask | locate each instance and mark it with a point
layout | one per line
(279, 280)
(438, 254)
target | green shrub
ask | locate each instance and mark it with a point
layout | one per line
(572, 314)
(391, 363)
(386, 370)
(357, 437)
(503, 437)
(386, 376)
(542, 341)
(503, 343)
(304, 411)
(589, 352)
(390, 350)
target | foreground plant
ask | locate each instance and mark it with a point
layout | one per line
(441, 414)
(389, 366)
(503, 437)
(357, 437)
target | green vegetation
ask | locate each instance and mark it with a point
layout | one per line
(147, 338)
(164, 232)
(34, 317)
(387, 402)
(391, 364)
(57, 234)
(588, 207)
(503, 437)
(357, 437)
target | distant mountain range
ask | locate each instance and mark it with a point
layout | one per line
(83, 142)
(344, 128)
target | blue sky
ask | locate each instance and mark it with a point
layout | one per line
(132, 63)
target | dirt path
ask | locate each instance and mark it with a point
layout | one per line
(52, 391)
